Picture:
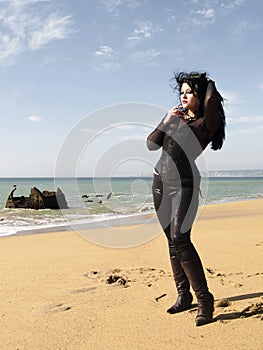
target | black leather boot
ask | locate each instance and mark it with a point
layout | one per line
(185, 298)
(194, 271)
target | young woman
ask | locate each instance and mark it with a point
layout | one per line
(183, 134)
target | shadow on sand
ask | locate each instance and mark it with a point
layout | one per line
(252, 310)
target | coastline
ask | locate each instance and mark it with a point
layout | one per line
(129, 220)
(54, 291)
(123, 206)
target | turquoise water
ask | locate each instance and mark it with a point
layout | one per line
(105, 199)
(231, 189)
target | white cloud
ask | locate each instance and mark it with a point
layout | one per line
(28, 25)
(114, 6)
(244, 27)
(54, 27)
(110, 59)
(9, 48)
(24, 2)
(107, 59)
(208, 13)
(229, 5)
(143, 31)
(199, 18)
(111, 5)
(134, 4)
(35, 119)
(104, 50)
(225, 4)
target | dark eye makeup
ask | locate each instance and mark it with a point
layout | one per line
(187, 92)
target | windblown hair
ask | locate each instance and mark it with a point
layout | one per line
(198, 82)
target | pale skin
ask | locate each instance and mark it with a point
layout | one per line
(188, 101)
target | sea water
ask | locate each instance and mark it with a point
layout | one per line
(98, 200)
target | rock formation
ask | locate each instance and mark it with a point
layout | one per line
(38, 200)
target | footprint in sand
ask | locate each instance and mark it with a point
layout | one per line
(83, 290)
(95, 276)
(145, 275)
(54, 308)
(255, 310)
(255, 274)
(102, 278)
(231, 278)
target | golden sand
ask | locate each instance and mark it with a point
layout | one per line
(59, 291)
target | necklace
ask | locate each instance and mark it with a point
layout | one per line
(188, 117)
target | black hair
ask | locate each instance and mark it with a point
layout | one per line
(198, 83)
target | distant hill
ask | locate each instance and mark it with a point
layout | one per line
(236, 173)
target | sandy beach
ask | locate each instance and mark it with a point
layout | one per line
(59, 291)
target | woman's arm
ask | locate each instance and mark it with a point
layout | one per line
(212, 109)
(155, 139)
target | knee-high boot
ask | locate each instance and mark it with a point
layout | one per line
(185, 298)
(194, 271)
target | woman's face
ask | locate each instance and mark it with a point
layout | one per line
(188, 99)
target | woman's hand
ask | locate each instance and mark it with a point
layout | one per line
(176, 111)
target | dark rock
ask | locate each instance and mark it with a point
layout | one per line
(109, 195)
(38, 200)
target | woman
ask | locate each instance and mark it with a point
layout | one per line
(183, 134)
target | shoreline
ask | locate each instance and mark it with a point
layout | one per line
(129, 220)
(111, 222)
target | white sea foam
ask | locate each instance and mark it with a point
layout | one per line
(123, 205)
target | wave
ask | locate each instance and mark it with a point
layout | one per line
(123, 205)
(67, 220)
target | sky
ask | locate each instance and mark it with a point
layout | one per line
(83, 82)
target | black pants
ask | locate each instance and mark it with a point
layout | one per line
(176, 204)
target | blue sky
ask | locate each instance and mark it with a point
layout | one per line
(64, 63)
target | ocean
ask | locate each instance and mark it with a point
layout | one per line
(95, 201)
